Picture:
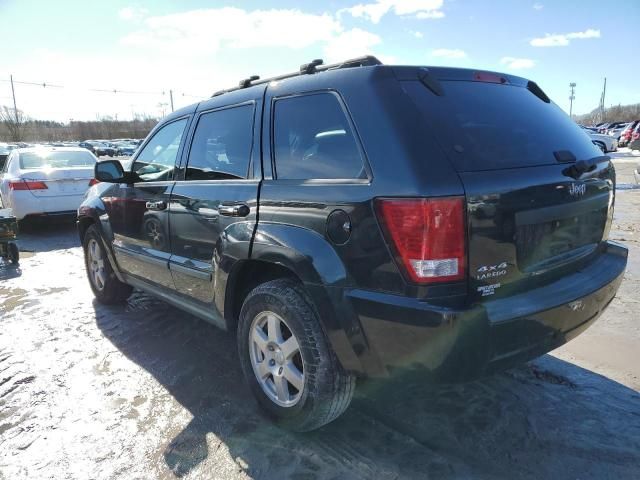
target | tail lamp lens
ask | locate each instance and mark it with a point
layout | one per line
(93, 181)
(28, 185)
(427, 235)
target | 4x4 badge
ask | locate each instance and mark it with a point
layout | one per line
(492, 271)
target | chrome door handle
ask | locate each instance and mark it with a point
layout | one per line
(159, 205)
(241, 210)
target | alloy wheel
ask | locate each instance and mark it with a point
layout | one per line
(96, 264)
(276, 359)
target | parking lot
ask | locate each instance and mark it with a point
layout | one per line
(146, 391)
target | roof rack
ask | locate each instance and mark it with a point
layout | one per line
(315, 66)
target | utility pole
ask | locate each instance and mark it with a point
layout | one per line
(162, 106)
(171, 98)
(13, 92)
(604, 92)
(572, 97)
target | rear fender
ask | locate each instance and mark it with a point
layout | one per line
(314, 261)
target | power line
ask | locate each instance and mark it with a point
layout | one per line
(115, 90)
(43, 84)
(101, 90)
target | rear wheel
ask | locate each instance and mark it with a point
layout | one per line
(287, 360)
(104, 283)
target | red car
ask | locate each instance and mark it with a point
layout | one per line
(627, 133)
(634, 143)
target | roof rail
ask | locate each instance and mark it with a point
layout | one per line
(315, 66)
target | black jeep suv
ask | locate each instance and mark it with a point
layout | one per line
(360, 220)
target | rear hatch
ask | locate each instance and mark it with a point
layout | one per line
(539, 194)
(57, 173)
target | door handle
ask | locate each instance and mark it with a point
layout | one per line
(240, 210)
(158, 205)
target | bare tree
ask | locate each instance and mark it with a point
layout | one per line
(14, 121)
(615, 113)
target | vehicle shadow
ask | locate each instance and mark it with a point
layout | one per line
(8, 270)
(547, 419)
(48, 234)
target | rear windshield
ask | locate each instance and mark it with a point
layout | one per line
(488, 126)
(31, 160)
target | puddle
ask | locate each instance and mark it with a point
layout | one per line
(14, 298)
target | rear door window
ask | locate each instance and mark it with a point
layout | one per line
(487, 126)
(313, 139)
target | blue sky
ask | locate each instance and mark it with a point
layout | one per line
(195, 47)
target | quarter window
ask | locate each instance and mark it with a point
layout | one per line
(157, 160)
(314, 140)
(221, 147)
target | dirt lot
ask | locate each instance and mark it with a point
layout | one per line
(145, 391)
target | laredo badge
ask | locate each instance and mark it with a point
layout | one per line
(491, 271)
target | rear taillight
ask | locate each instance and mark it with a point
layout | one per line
(427, 235)
(635, 136)
(93, 181)
(27, 185)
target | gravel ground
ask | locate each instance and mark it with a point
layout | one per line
(146, 391)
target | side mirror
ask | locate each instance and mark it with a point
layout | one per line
(110, 171)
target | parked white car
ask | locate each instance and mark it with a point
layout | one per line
(605, 142)
(46, 180)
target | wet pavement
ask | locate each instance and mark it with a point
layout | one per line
(146, 391)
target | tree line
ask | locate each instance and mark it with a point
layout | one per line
(17, 127)
(617, 113)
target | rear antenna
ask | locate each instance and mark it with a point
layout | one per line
(247, 81)
(309, 68)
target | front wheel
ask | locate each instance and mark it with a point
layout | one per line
(104, 283)
(13, 253)
(287, 360)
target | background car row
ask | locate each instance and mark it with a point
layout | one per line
(605, 143)
(623, 132)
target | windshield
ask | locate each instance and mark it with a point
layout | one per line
(57, 159)
(486, 126)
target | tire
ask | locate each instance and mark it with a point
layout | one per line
(13, 253)
(104, 283)
(326, 388)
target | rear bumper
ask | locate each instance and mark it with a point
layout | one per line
(448, 345)
(24, 204)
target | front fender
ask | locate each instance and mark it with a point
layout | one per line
(92, 211)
